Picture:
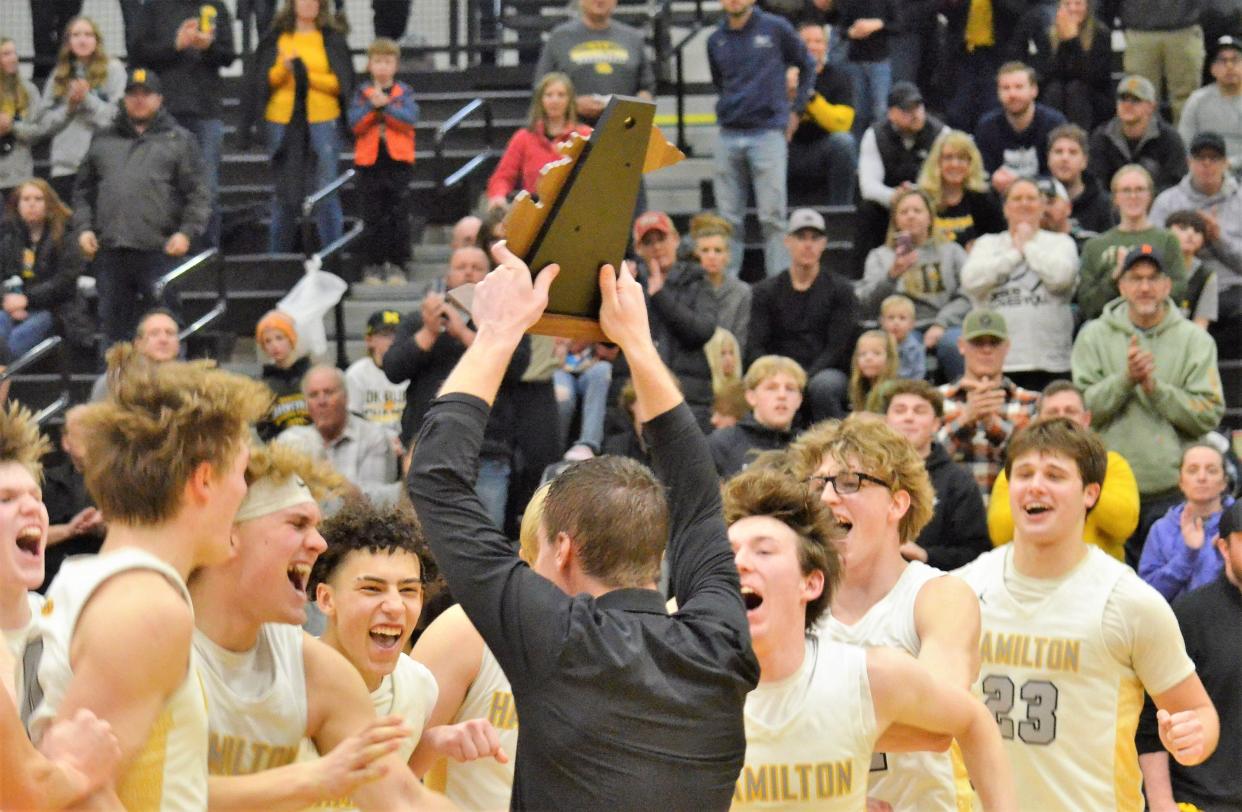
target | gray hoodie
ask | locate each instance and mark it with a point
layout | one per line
(1225, 205)
(74, 128)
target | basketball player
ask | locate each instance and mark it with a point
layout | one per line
(1072, 638)
(873, 481)
(268, 683)
(820, 705)
(370, 585)
(79, 754)
(165, 462)
(473, 686)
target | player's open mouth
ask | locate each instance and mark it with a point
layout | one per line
(386, 637)
(29, 540)
(751, 598)
(299, 577)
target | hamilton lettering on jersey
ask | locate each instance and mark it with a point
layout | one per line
(1046, 653)
(766, 783)
(502, 713)
(234, 755)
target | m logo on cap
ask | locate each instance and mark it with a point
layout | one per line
(391, 317)
(140, 75)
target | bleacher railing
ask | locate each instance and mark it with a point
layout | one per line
(211, 258)
(46, 347)
(328, 255)
(476, 105)
(679, 81)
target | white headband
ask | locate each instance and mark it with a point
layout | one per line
(266, 496)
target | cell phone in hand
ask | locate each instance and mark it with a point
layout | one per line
(903, 243)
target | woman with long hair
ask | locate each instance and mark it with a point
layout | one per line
(80, 99)
(299, 82)
(918, 262)
(1072, 54)
(553, 120)
(953, 177)
(20, 127)
(36, 248)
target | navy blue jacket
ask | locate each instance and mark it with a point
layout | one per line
(748, 69)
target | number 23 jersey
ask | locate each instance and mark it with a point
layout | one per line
(1064, 663)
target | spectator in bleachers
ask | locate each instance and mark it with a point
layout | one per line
(1180, 554)
(1149, 376)
(1164, 43)
(48, 21)
(914, 43)
(918, 262)
(382, 116)
(711, 235)
(983, 408)
(975, 44)
(1073, 58)
(867, 24)
(1138, 135)
(1058, 210)
(389, 18)
(897, 319)
(79, 100)
(359, 450)
(724, 359)
(188, 43)
(684, 310)
(749, 55)
(954, 179)
(1014, 138)
(1116, 512)
(299, 83)
(1217, 107)
(1091, 212)
(773, 390)
(75, 525)
(553, 120)
(157, 339)
(581, 379)
(1211, 623)
(262, 11)
(601, 56)
(1203, 273)
(1103, 256)
(466, 232)
(957, 532)
(890, 156)
(823, 155)
(428, 344)
(809, 314)
(875, 362)
(20, 127)
(1026, 274)
(39, 263)
(370, 392)
(1209, 189)
(139, 199)
(277, 337)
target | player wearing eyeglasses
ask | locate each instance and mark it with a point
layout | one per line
(875, 484)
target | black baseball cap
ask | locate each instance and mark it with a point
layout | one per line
(142, 77)
(905, 95)
(1224, 42)
(1207, 140)
(383, 321)
(1143, 253)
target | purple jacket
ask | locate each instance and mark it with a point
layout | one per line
(1172, 567)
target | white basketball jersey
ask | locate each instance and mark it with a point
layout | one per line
(809, 736)
(170, 772)
(1067, 709)
(256, 700)
(485, 783)
(922, 781)
(18, 641)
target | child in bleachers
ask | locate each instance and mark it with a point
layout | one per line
(277, 337)
(368, 389)
(874, 362)
(897, 319)
(382, 116)
(1199, 304)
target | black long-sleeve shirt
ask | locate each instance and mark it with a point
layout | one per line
(623, 706)
(1211, 622)
(816, 327)
(958, 531)
(190, 78)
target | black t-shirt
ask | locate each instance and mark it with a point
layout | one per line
(976, 213)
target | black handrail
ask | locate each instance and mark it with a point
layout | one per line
(680, 83)
(328, 254)
(211, 257)
(315, 198)
(37, 353)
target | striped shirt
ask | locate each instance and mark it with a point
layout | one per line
(980, 444)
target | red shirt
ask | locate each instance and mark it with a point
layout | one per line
(528, 152)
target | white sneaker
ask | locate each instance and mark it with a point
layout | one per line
(579, 452)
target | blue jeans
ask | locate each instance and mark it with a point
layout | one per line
(209, 133)
(591, 386)
(876, 79)
(329, 219)
(492, 488)
(23, 335)
(759, 158)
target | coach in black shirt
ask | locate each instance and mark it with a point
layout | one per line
(1211, 621)
(622, 705)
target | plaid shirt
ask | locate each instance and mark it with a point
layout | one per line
(980, 444)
